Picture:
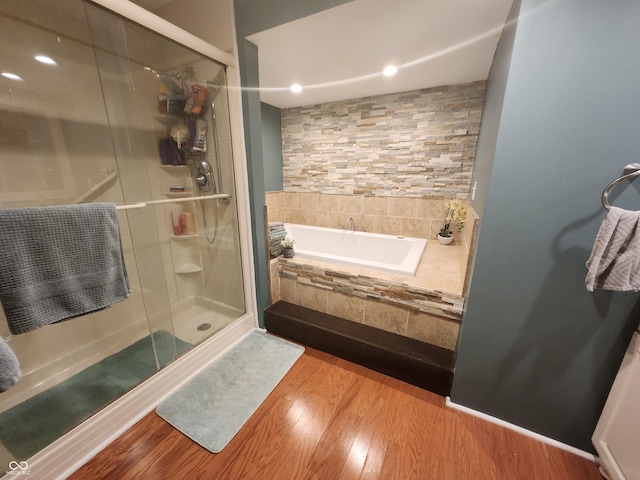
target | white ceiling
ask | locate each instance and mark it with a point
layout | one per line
(340, 53)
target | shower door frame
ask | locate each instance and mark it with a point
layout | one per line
(71, 451)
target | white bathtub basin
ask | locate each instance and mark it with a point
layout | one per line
(384, 253)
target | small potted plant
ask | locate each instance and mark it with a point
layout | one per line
(287, 247)
(456, 212)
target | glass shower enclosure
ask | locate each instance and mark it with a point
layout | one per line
(95, 108)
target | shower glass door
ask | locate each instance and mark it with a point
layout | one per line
(84, 118)
(168, 110)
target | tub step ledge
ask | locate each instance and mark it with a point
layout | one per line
(421, 364)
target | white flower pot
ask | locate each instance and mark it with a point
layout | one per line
(444, 240)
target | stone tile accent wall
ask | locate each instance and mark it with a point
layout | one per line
(417, 143)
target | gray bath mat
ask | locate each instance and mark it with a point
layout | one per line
(212, 407)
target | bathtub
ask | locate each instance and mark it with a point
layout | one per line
(373, 251)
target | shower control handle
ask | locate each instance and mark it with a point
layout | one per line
(201, 179)
(203, 176)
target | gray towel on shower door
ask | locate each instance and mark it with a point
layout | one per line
(59, 262)
(614, 263)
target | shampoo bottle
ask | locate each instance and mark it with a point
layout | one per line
(187, 222)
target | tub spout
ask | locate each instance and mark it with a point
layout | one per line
(353, 224)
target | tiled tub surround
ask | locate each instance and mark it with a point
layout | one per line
(417, 143)
(408, 216)
(427, 307)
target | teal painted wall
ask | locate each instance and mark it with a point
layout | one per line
(536, 349)
(254, 16)
(272, 147)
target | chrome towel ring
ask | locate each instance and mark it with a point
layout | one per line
(630, 171)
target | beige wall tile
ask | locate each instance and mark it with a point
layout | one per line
(311, 297)
(275, 199)
(351, 204)
(388, 225)
(308, 201)
(292, 199)
(277, 215)
(288, 290)
(297, 215)
(431, 208)
(386, 317)
(274, 285)
(346, 306)
(415, 227)
(403, 207)
(375, 205)
(328, 202)
(335, 220)
(316, 218)
(433, 329)
(368, 224)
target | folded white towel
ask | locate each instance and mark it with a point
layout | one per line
(614, 263)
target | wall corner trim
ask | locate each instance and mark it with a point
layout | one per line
(522, 431)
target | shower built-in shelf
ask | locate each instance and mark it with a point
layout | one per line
(177, 170)
(188, 268)
(183, 237)
(167, 120)
(177, 194)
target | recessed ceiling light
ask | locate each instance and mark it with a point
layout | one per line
(11, 76)
(296, 88)
(390, 70)
(45, 59)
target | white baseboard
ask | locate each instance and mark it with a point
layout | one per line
(522, 431)
(69, 453)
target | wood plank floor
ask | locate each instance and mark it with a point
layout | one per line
(331, 419)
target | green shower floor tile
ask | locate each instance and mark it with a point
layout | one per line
(30, 426)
